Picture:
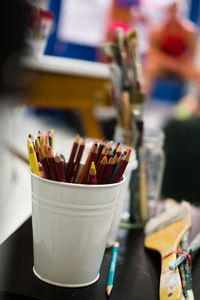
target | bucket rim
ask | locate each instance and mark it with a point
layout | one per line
(75, 185)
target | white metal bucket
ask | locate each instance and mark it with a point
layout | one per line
(71, 223)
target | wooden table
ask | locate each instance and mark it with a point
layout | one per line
(61, 83)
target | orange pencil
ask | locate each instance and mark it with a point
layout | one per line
(103, 153)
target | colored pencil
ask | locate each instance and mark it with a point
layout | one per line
(71, 158)
(51, 162)
(37, 149)
(42, 141)
(46, 149)
(100, 148)
(112, 268)
(103, 153)
(41, 170)
(31, 137)
(51, 138)
(82, 174)
(93, 157)
(60, 171)
(101, 169)
(33, 161)
(110, 153)
(77, 161)
(108, 171)
(47, 140)
(44, 163)
(28, 148)
(122, 167)
(109, 145)
(92, 176)
(116, 147)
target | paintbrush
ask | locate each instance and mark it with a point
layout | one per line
(119, 34)
(192, 248)
(164, 234)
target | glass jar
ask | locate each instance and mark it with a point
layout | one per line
(154, 160)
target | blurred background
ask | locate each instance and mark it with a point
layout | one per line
(53, 74)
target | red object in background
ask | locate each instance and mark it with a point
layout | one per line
(36, 15)
(173, 44)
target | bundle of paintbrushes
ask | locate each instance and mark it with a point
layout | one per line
(127, 83)
(103, 165)
(169, 234)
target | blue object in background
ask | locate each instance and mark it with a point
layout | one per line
(58, 48)
(128, 3)
(195, 11)
(169, 89)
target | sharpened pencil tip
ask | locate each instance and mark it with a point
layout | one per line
(109, 289)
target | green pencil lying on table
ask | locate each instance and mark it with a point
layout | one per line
(112, 268)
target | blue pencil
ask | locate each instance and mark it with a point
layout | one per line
(112, 268)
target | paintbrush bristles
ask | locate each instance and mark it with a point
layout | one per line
(166, 218)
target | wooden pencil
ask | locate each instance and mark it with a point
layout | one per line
(100, 148)
(44, 163)
(92, 176)
(33, 161)
(101, 169)
(110, 153)
(93, 158)
(108, 171)
(42, 141)
(77, 161)
(47, 139)
(109, 145)
(116, 147)
(51, 162)
(45, 149)
(103, 153)
(122, 167)
(28, 148)
(60, 172)
(36, 146)
(41, 170)
(70, 163)
(113, 264)
(82, 174)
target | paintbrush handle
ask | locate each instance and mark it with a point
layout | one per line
(170, 281)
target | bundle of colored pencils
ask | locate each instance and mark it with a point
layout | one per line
(103, 165)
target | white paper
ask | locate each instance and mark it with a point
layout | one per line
(83, 21)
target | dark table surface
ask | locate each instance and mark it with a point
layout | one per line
(137, 273)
